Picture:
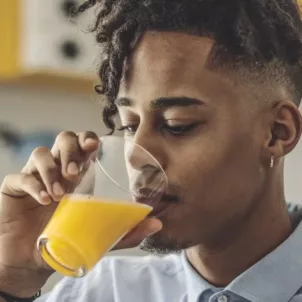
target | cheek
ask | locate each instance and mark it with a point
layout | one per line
(218, 187)
(212, 170)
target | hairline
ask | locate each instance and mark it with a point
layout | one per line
(265, 81)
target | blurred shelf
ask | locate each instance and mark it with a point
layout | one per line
(53, 81)
(19, 36)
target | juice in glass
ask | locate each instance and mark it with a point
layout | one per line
(83, 228)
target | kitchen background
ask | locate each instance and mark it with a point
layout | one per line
(47, 71)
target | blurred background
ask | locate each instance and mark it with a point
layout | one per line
(48, 67)
(48, 64)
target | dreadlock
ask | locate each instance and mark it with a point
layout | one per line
(246, 33)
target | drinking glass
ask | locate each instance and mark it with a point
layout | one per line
(117, 190)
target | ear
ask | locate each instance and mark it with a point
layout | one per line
(286, 127)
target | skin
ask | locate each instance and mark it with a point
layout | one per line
(224, 205)
(27, 202)
(229, 206)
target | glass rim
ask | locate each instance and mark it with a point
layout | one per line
(137, 145)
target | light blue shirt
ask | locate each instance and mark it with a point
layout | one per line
(275, 278)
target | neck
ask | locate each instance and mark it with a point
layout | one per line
(262, 232)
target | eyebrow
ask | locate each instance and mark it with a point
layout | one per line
(164, 102)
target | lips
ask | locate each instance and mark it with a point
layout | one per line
(147, 196)
(151, 198)
(158, 207)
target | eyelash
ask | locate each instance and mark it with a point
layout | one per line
(174, 130)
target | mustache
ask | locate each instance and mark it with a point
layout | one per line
(150, 185)
(147, 195)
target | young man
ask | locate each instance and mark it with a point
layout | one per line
(211, 89)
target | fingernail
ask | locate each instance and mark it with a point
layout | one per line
(44, 197)
(73, 168)
(57, 189)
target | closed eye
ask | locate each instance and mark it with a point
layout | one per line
(178, 130)
(131, 129)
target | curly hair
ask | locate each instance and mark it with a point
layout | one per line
(246, 33)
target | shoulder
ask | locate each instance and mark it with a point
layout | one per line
(139, 278)
(115, 276)
(168, 265)
(135, 278)
(141, 272)
(298, 296)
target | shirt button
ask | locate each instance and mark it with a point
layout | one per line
(222, 298)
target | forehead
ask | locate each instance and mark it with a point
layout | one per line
(172, 48)
(169, 64)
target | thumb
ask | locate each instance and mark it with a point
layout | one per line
(146, 228)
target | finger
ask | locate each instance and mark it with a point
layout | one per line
(88, 141)
(68, 150)
(42, 161)
(25, 184)
(148, 227)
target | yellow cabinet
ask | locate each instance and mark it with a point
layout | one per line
(39, 45)
(9, 39)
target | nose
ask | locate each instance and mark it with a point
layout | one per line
(144, 170)
(146, 148)
(138, 157)
(140, 160)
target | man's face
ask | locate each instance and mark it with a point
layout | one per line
(199, 126)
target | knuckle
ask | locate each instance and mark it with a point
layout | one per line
(67, 143)
(28, 179)
(8, 178)
(39, 152)
(89, 134)
(65, 135)
(7, 181)
(52, 172)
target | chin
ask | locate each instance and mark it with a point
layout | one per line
(163, 245)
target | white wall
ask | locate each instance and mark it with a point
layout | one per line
(32, 109)
(293, 175)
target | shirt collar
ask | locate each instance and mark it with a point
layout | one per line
(195, 283)
(276, 277)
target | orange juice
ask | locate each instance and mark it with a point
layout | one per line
(83, 229)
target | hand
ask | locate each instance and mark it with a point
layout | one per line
(27, 202)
